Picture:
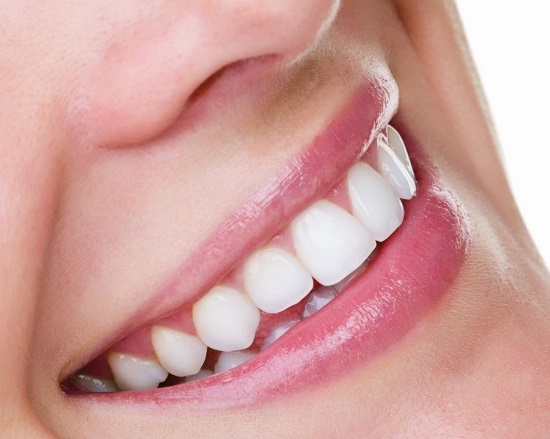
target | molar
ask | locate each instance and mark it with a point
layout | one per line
(181, 354)
(330, 242)
(275, 280)
(226, 319)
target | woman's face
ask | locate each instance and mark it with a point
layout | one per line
(178, 176)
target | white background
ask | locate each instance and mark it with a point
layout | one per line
(510, 41)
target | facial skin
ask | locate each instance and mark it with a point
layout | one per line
(123, 147)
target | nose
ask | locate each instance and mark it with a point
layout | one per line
(150, 67)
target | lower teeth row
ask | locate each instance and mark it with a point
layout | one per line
(330, 245)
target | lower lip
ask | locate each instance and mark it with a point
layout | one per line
(415, 268)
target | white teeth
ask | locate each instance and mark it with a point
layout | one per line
(331, 246)
(179, 353)
(203, 373)
(275, 280)
(277, 332)
(319, 299)
(373, 202)
(229, 360)
(394, 171)
(330, 242)
(134, 373)
(225, 319)
(396, 143)
(92, 384)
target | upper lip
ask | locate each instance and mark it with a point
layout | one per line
(371, 312)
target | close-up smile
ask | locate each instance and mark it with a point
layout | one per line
(384, 250)
(259, 219)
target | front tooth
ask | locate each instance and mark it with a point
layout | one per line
(225, 319)
(203, 373)
(229, 360)
(179, 353)
(275, 280)
(395, 142)
(90, 383)
(330, 242)
(394, 171)
(373, 202)
(134, 373)
(319, 299)
(277, 332)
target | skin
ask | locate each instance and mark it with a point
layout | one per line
(106, 158)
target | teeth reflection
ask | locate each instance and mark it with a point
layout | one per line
(319, 299)
(277, 332)
(230, 360)
(342, 285)
(203, 373)
(90, 383)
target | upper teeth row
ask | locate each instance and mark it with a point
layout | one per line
(329, 243)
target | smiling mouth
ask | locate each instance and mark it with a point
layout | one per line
(320, 297)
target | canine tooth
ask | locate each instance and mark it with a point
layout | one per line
(203, 373)
(225, 319)
(394, 171)
(395, 142)
(134, 373)
(229, 360)
(275, 280)
(318, 299)
(373, 202)
(181, 354)
(330, 242)
(277, 332)
(92, 384)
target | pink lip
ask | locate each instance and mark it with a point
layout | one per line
(413, 270)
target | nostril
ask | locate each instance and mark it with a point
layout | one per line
(146, 74)
(143, 111)
(230, 83)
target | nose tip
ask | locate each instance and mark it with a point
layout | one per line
(150, 68)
